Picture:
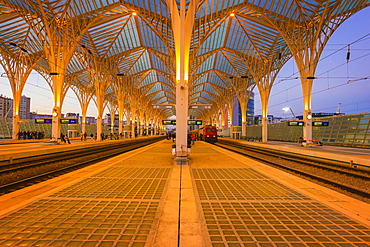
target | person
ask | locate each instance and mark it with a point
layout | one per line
(62, 138)
(67, 139)
(91, 136)
(192, 138)
(300, 140)
(189, 139)
(85, 135)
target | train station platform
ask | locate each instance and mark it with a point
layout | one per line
(18, 149)
(219, 198)
(360, 156)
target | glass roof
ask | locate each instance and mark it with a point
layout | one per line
(131, 42)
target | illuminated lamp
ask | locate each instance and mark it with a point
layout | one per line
(134, 13)
(55, 113)
(232, 14)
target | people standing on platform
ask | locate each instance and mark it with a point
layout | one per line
(173, 137)
(192, 138)
(91, 136)
(82, 136)
(67, 139)
(102, 136)
(62, 138)
(85, 135)
(300, 140)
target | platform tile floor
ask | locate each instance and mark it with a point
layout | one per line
(124, 203)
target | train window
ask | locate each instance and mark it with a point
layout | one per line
(211, 130)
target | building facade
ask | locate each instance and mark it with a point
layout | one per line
(6, 106)
(25, 107)
(270, 119)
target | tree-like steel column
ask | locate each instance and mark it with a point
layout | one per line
(264, 95)
(17, 73)
(230, 107)
(243, 87)
(59, 92)
(141, 121)
(99, 101)
(264, 84)
(306, 40)
(182, 26)
(84, 97)
(112, 107)
(121, 113)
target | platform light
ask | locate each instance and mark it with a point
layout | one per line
(134, 13)
(55, 113)
(232, 14)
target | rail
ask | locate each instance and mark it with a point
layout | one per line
(335, 174)
(28, 171)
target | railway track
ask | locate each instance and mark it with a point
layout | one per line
(341, 176)
(26, 172)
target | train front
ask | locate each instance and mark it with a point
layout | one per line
(210, 134)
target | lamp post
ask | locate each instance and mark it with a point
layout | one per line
(291, 110)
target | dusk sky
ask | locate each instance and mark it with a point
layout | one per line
(338, 81)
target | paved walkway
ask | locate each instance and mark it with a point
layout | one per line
(219, 199)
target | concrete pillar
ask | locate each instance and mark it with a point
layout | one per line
(181, 118)
(100, 109)
(133, 116)
(264, 95)
(55, 125)
(264, 128)
(16, 112)
(58, 95)
(307, 113)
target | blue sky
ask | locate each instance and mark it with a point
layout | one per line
(338, 81)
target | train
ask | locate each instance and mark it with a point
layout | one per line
(207, 133)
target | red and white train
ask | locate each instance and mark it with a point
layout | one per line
(207, 133)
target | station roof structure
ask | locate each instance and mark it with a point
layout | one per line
(129, 44)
